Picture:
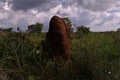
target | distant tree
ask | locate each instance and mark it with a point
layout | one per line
(10, 29)
(83, 29)
(19, 29)
(7, 30)
(69, 23)
(118, 30)
(35, 28)
(1, 29)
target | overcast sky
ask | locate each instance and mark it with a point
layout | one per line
(100, 15)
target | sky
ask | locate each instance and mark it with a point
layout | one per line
(99, 15)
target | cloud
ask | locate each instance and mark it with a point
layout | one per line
(28, 4)
(94, 5)
(3, 15)
(100, 15)
(105, 21)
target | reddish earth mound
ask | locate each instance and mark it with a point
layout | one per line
(58, 39)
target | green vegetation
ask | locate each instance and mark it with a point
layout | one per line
(35, 28)
(94, 56)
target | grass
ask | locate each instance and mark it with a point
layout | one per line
(94, 56)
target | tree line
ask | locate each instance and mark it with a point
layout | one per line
(37, 28)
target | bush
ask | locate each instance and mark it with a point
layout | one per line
(83, 30)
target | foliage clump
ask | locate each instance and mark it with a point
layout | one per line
(83, 29)
(35, 28)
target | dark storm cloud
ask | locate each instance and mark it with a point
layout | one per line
(27, 4)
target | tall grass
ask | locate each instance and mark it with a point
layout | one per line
(94, 56)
